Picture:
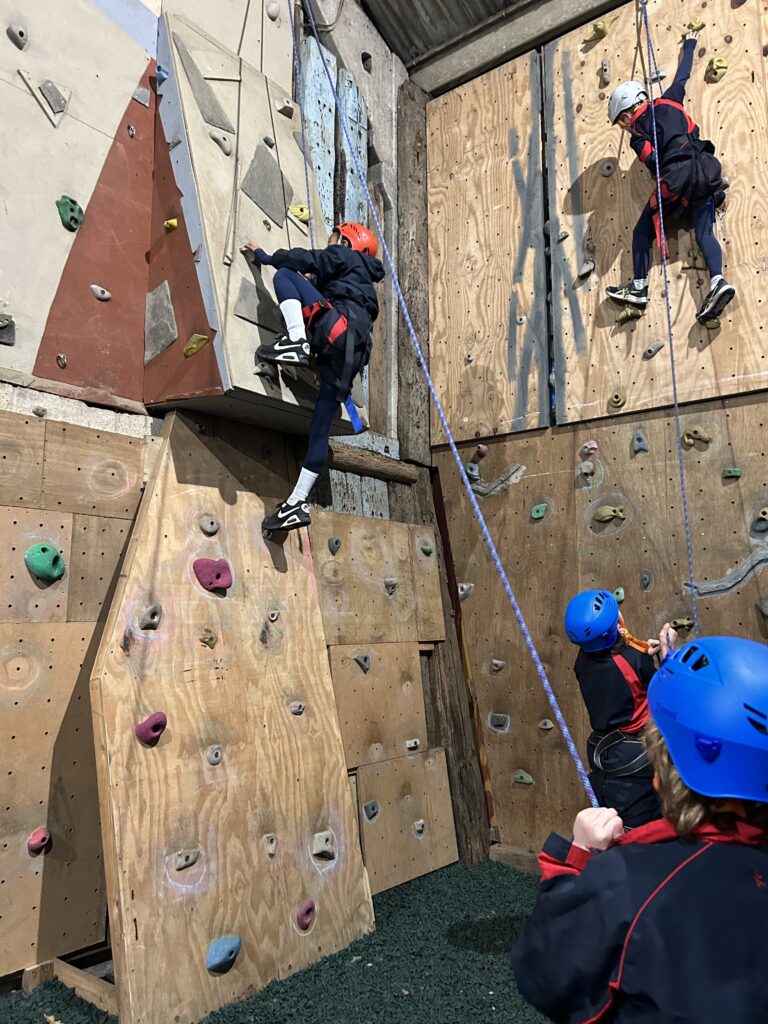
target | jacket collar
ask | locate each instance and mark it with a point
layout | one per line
(663, 831)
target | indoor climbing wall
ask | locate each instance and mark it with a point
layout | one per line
(380, 598)
(488, 321)
(599, 505)
(223, 787)
(597, 189)
(68, 498)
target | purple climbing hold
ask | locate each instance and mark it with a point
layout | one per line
(151, 729)
(213, 573)
(305, 915)
(39, 842)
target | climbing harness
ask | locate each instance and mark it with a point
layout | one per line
(654, 71)
(540, 670)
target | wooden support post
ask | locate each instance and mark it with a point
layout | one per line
(88, 986)
(33, 977)
(357, 460)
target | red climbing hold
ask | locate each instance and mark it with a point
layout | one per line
(151, 729)
(39, 842)
(213, 573)
(305, 915)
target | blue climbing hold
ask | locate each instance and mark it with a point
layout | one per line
(222, 954)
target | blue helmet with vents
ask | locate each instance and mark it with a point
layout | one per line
(710, 703)
(592, 620)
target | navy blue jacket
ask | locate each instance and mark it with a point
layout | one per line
(614, 699)
(656, 930)
(342, 274)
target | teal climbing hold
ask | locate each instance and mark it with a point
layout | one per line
(45, 562)
(539, 511)
(619, 594)
(71, 213)
(222, 954)
(645, 580)
(732, 473)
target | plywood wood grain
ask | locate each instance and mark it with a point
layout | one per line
(24, 597)
(280, 773)
(426, 580)
(21, 459)
(593, 354)
(488, 334)
(412, 832)
(381, 706)
(98, 546)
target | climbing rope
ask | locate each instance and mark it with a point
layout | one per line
(653, 73)
(541, 672)
(297, 74)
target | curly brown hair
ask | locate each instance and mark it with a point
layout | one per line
(685, 808)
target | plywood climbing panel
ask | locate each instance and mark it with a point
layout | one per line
(597, 189)
(488, 321)
(406, 818)
(234, 816)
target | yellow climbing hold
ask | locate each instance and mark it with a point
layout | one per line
(629, 313)
(195, 343)
(695, 260)
(695, 25)
(172, 224)
(601, 28)
(605, 513)
(300, 211)
(716, 69)
(693, 434)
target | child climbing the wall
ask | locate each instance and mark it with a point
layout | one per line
(328, 304)
(667, 922)
(613, 678)
(691, 181)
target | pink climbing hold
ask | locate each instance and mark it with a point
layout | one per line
(38, 842)
(151, 729)
(213, 573)
(305, 915)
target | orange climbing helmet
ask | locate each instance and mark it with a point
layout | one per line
(358, 236)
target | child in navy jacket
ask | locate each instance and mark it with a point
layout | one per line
(691, 180)
(666, 924)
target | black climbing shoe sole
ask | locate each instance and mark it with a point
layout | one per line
(712, 312)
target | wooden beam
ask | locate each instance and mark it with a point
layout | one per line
(357, 460)
(33, 977)
(88, 986)
(515, 857)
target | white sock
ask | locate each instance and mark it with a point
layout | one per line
(294, 321)
(304, 484)
(640, 282)
(715, 281)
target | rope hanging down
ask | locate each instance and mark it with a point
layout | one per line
(653, 74)
(540, 670)
(297, 74)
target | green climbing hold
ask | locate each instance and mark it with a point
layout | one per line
(71, 213)
(45, 562)
(732, 473)
(426, 549)
(645, 580)
(539, 511)
(619, 594)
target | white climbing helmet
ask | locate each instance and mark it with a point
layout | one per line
(625, 96)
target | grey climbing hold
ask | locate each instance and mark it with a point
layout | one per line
(18, 36)
(498, 722)
(208, 105)
(256, 305)
(269, 141)
(142, 95)
(208, 524)
(587, 468)
(222, 954)
(100, 293)
(413, 744)
(186, 858)
(55, 99)
(39, 410)
(497, 665)
(324, 845)
(371, 810)
(639, 442)
(222, 141)
(390, 585)
(160, 329)
(645, 580)
(208, 639)
(61, 360)
(151, 618)
(284, 106)
(605, 73)
(272, 10)
(419, 827)
(586, 268)
(162, 74)
(7, 329)
(522, 777)
(588, 449)
(296, 708)
(546, 725)
(266, 186)
(214, 754)
(274, 615)
(607, 167)
(652, 349)
(334, 544)
(364, 661)
(465, 589)
(175, 141)
(271, 844)
(131, 131)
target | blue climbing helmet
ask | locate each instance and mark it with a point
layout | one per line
(710, 703)
(592, 620)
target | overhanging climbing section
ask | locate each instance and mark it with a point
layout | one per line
(488, 321)
(597, 189)
(227, 811)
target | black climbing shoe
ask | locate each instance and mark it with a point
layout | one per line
(283, 350)
(716, 301)
(628, 295)
(287, 517)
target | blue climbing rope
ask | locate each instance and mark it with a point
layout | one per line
(540, 670)
(297, 73)
(653, 72)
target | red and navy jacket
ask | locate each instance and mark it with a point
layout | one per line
(343, 275)
(614, 686)
(655, 930)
